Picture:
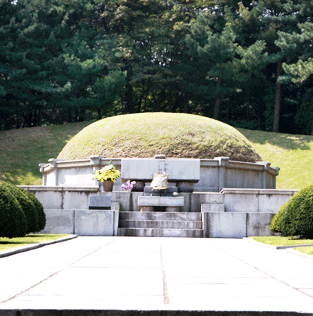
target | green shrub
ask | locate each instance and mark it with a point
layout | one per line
(13, 221)
(27, 206)
(295, 218)
(39, 208)
(303, 217)
(276, 221)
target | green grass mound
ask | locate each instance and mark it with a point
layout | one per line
(295, 218)
(147, 134)
(13, 221)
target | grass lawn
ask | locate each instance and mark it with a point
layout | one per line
(10, 243)
(22, 150)
(292, 153)
(286, 241)
(282, 241)
(306, 250)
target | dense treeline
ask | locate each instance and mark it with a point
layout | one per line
(246, 63)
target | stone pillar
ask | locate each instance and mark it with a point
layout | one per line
(44, 176)
(222, 171)
(53, 163)
(266, 168)
(96, 164)
(274, 178)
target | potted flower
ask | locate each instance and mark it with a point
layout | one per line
(107, 175)
(128, 186)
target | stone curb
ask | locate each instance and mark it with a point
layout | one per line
(276, 247)
(34, 246)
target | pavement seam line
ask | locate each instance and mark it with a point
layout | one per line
(271, 276)
(54, 274)
(165, 288)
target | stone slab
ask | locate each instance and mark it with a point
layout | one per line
(212, 208)
(258, 224)
(108, 275)
(271, 203)
(224, 224)
(145, 168)
(59, 222)
(160, 201)
(124, 198)
(197, 198)
(95, 222)
(50, 199)
(100, 202)
(72, 176)
(241, 203)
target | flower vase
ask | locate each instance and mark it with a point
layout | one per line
(106, 186)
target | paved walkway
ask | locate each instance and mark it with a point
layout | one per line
(125, 273)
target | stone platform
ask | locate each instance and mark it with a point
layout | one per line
(233, 213)
(126, 276)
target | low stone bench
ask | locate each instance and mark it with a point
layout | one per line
(151, 203)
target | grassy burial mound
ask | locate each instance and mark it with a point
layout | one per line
(147, 134)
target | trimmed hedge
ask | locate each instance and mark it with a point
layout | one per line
(276, 221)
(13, 221)
(27, 207)
(295, 218)
(39, 208)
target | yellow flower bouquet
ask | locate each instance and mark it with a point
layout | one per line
(107, 173)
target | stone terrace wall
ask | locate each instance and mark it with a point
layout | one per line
(232, 213)
(215, 174)
(233, 200)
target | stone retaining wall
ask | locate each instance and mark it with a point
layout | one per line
(233, 213)
(215, 174)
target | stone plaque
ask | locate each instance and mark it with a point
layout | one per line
(102, 202)
(145, 168)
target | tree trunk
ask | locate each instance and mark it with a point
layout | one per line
(186, 105)
(35, 119)
(146, 98)
(277, 99)
(129, 99)
(217, 100)
(27, 119)
(40, 117)
(247, 105)
(170, 102)
(129, 92)
(99, 110)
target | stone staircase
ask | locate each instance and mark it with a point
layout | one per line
(160, 224)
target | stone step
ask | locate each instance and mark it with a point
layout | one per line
(159, 232)
(179, 216)
(161, 201)
(160, 224)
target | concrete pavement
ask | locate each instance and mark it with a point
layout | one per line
(156, 274)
